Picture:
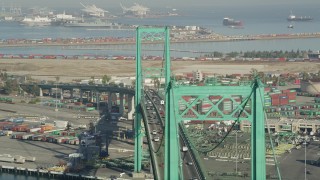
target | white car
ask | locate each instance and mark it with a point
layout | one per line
(154, 132)
(156, 139)
(123, 119)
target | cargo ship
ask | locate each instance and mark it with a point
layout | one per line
(292, 17)
(231, 22)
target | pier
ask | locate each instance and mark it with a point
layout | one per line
(45, 173)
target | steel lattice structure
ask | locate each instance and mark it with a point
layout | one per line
(185, 103)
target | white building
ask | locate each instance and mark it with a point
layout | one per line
(198, 75)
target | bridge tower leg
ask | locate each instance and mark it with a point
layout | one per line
(61, 94)
(171, 161)
(81, 95)
(109, 102)
(171, 140)
(121, 106)
(90, 98)
(40, 92)
(138, 94)
(258, 160)
(98, 101)
(130, 106)
(71, 93)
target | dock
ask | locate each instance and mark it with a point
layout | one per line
(45, 173)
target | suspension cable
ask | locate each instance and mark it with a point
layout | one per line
(176, 123)
(270, 138)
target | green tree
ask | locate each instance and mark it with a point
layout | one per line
(156, 82)
(4, 76)
(254, 72)
(133, 83)
(91, 81)
(10, 85)
(305, 76)
(106, 79)
(68, 126)
(57, 79)
(232, 54)
(35, 90)
(217, 54)
(91, 127)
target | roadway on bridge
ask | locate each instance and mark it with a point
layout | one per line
(188, 163)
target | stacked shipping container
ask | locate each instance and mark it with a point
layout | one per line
(276, 97)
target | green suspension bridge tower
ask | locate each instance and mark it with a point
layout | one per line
(178, 109)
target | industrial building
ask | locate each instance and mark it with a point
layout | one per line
(308, 126)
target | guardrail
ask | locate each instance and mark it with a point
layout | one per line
(198, 165)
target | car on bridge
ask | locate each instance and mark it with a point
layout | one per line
(189, 163)
(156, 139)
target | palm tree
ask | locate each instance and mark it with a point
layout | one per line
(305, 76)
(156, 82)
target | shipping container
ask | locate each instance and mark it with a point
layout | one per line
(90, 108)
(34, 130)
(46, 127)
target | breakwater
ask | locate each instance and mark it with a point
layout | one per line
(131, 40)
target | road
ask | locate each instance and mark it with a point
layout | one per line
(189, 169)
(188, 164)
(39, 110)
(48, 154)
(155, 135)
(292, 164)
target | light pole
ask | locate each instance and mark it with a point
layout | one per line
(56, 110)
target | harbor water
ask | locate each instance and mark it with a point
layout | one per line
(256, 20)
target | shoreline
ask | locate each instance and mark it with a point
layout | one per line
(173, 41)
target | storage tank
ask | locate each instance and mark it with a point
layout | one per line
(311, 87)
